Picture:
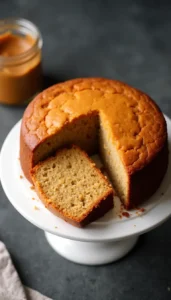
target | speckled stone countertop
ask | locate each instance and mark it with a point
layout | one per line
(126, 40)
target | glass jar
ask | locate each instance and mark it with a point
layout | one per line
(20, 61)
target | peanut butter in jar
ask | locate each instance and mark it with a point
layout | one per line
(20, 61)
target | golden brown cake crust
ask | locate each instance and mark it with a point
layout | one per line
(138, 128)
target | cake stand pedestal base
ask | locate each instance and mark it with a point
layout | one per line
(91, 253)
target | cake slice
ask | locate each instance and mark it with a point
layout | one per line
(72, 187)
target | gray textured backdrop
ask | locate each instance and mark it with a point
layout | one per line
(126, 40)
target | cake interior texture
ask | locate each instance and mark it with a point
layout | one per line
(113, 164)
(87, 133)
(71, 184)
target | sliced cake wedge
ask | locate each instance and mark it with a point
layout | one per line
(72, 187)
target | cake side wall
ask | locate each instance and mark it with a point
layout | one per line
(145, 182)
(26, 158)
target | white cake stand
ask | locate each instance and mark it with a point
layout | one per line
(101, 242)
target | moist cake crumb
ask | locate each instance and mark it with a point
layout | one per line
(126, 214)
(71, 186)
(36, 208)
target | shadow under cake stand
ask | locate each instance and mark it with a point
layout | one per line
(101, 242)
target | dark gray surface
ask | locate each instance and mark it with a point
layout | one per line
(129, 41)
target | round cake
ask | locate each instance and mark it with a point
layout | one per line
(119, 122)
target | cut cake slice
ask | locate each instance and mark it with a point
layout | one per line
(72, 187)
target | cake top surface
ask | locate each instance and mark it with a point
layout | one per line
(132, 119)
